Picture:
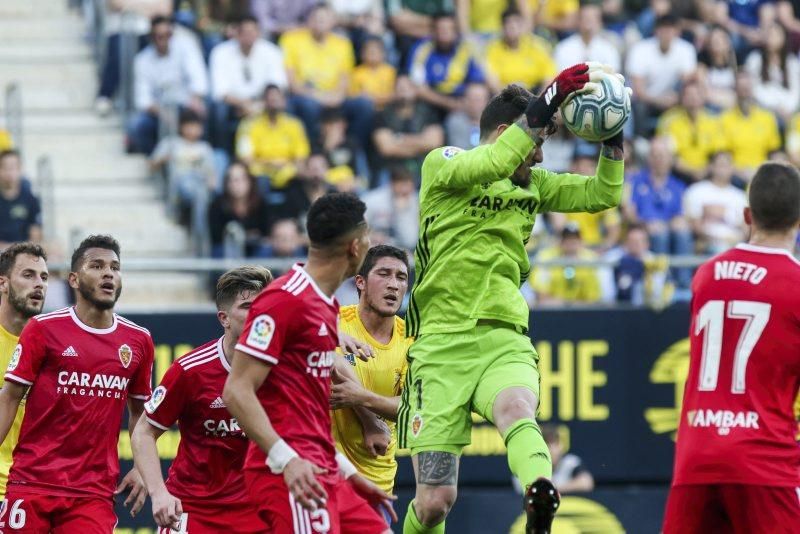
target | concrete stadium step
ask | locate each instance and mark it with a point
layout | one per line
(159, 291)
(39, 96)
(70, 122)
(38, 8)
(52, 72)
(71, 194)
(43, 52)
(92, 167)
(110, 143)
(26, 27)
(145, 239)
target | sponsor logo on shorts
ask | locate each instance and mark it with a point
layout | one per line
(15, 356)
(261, 332)
(125, 355)
(416, 425)
(722, 420)
(155, 399)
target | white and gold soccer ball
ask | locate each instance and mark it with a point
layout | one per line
(600, 113)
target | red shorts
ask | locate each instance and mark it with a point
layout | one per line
(732, 508)
(36, 513)
(209, 519)
(345, 511)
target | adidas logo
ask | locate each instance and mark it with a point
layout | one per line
(70, 352)
(218, 403)
(323, 330)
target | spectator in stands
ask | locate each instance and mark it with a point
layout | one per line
(406, 130)
(518, 56)
(601, 230)
(786, 12)
(20, 211)
(320, 63)
(285, 241)
(793, 140)
(241, 69)
(462, 128)
(393, 210)
(776, 73)
(589, 43)
(558, 16)
(342, 152)
(751, 132)
(279, 16)
(273, 144)
(656, 200)
(641, 278)
(656, 67)
(442, 66)
(211, 19)
(558, 286)
(716, 69)
(189, 162)
(239, 205)
(124, 17)
(166, 76)
(714, 207)
(374, 78)
(6, 142)
(570, 475)
(483, 19)
(301, 192)
(412, 20)
(695, 133)
(363, 19)
(744, 20)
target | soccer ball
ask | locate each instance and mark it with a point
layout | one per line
(601, 114)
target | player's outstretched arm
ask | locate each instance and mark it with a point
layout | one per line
(377, 435)
(246, 376)
(167, 509)
(10, 397)
(348, 394)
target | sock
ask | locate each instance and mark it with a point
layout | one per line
(528, 455)
(412, 525)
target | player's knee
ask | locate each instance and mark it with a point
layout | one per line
(512, 410)
(432, 507)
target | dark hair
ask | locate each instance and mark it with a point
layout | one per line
(188, 116)
(11, 152)
(550, 433)
(441, 15)
(372, 38)
(512, 11)
(398, 173)
(9, 256)
(506, 107)
(784, 55)
(334, 216)
(93, 241)
(272, 87)
(377, 252)
(634, 227)
(571, 229)
(235, 281)
(254, 198)
(247, 19)
(775, 196)
(159, 19)
(667, 19)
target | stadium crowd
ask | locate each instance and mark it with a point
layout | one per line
(252, 109)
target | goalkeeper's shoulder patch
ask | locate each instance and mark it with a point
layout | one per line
(449, 151)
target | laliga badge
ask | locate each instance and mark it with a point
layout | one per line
(14, 362)
(125, 355)
(416, 425)
(155, 399)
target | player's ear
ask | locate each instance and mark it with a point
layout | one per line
(222, 317)
(748, 216)
(360, 282)
(3, 284)
(73, 280)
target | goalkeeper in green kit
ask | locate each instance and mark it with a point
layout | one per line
(472, 352)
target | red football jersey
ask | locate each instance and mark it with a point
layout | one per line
(80, 379)
(737, 424)
(208, 466)
(292, 326)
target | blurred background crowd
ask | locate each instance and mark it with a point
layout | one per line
(249, 110)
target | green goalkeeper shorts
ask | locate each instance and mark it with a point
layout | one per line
(451, 375)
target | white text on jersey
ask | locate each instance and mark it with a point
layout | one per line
(722, 420)
(88, 385)
(739, 270)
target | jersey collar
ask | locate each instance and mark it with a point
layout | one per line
(767, 250)
(88, 328)
(299, 267)
(222, 359)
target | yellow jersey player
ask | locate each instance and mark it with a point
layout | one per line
(23, 286)
(381, 283)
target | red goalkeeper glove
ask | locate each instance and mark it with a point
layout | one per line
(542, 109)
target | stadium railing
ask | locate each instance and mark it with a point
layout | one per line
(47, 195)
(13, 112)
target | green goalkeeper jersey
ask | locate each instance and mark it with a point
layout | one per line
(475, 223)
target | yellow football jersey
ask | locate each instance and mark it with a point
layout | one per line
(384, 374)
(8, 343)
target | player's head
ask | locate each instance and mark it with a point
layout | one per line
(503, 110)
(382, 281)
(553, 439)
(774, 197)
(95, 271)
(236, 291)
(337, 230)
(23, 279)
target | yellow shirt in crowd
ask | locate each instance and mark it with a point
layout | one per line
(695, 141)
(750, 138)
(576, 284)
(553, 10)
(486, 16)
(320, 65)
(6, 142)
(272, 146)
(592, 224)
(384, 374)
(529, 64)
(375, 82)
(8, 344)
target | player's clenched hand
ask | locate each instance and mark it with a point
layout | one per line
(138, 494)
(167, 509)
(377, 438)
(373, 494)
(351, 345)
(346, 394)
(300, 478)
(541, 110)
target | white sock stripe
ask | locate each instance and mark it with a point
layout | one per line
(200, 362)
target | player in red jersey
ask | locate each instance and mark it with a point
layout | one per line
(737, 464)
(205, 491)
(81, 364)
(280, 384)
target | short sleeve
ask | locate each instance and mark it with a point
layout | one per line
(266, 328)
(28, 356)
(141, 384)
(164, 407)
